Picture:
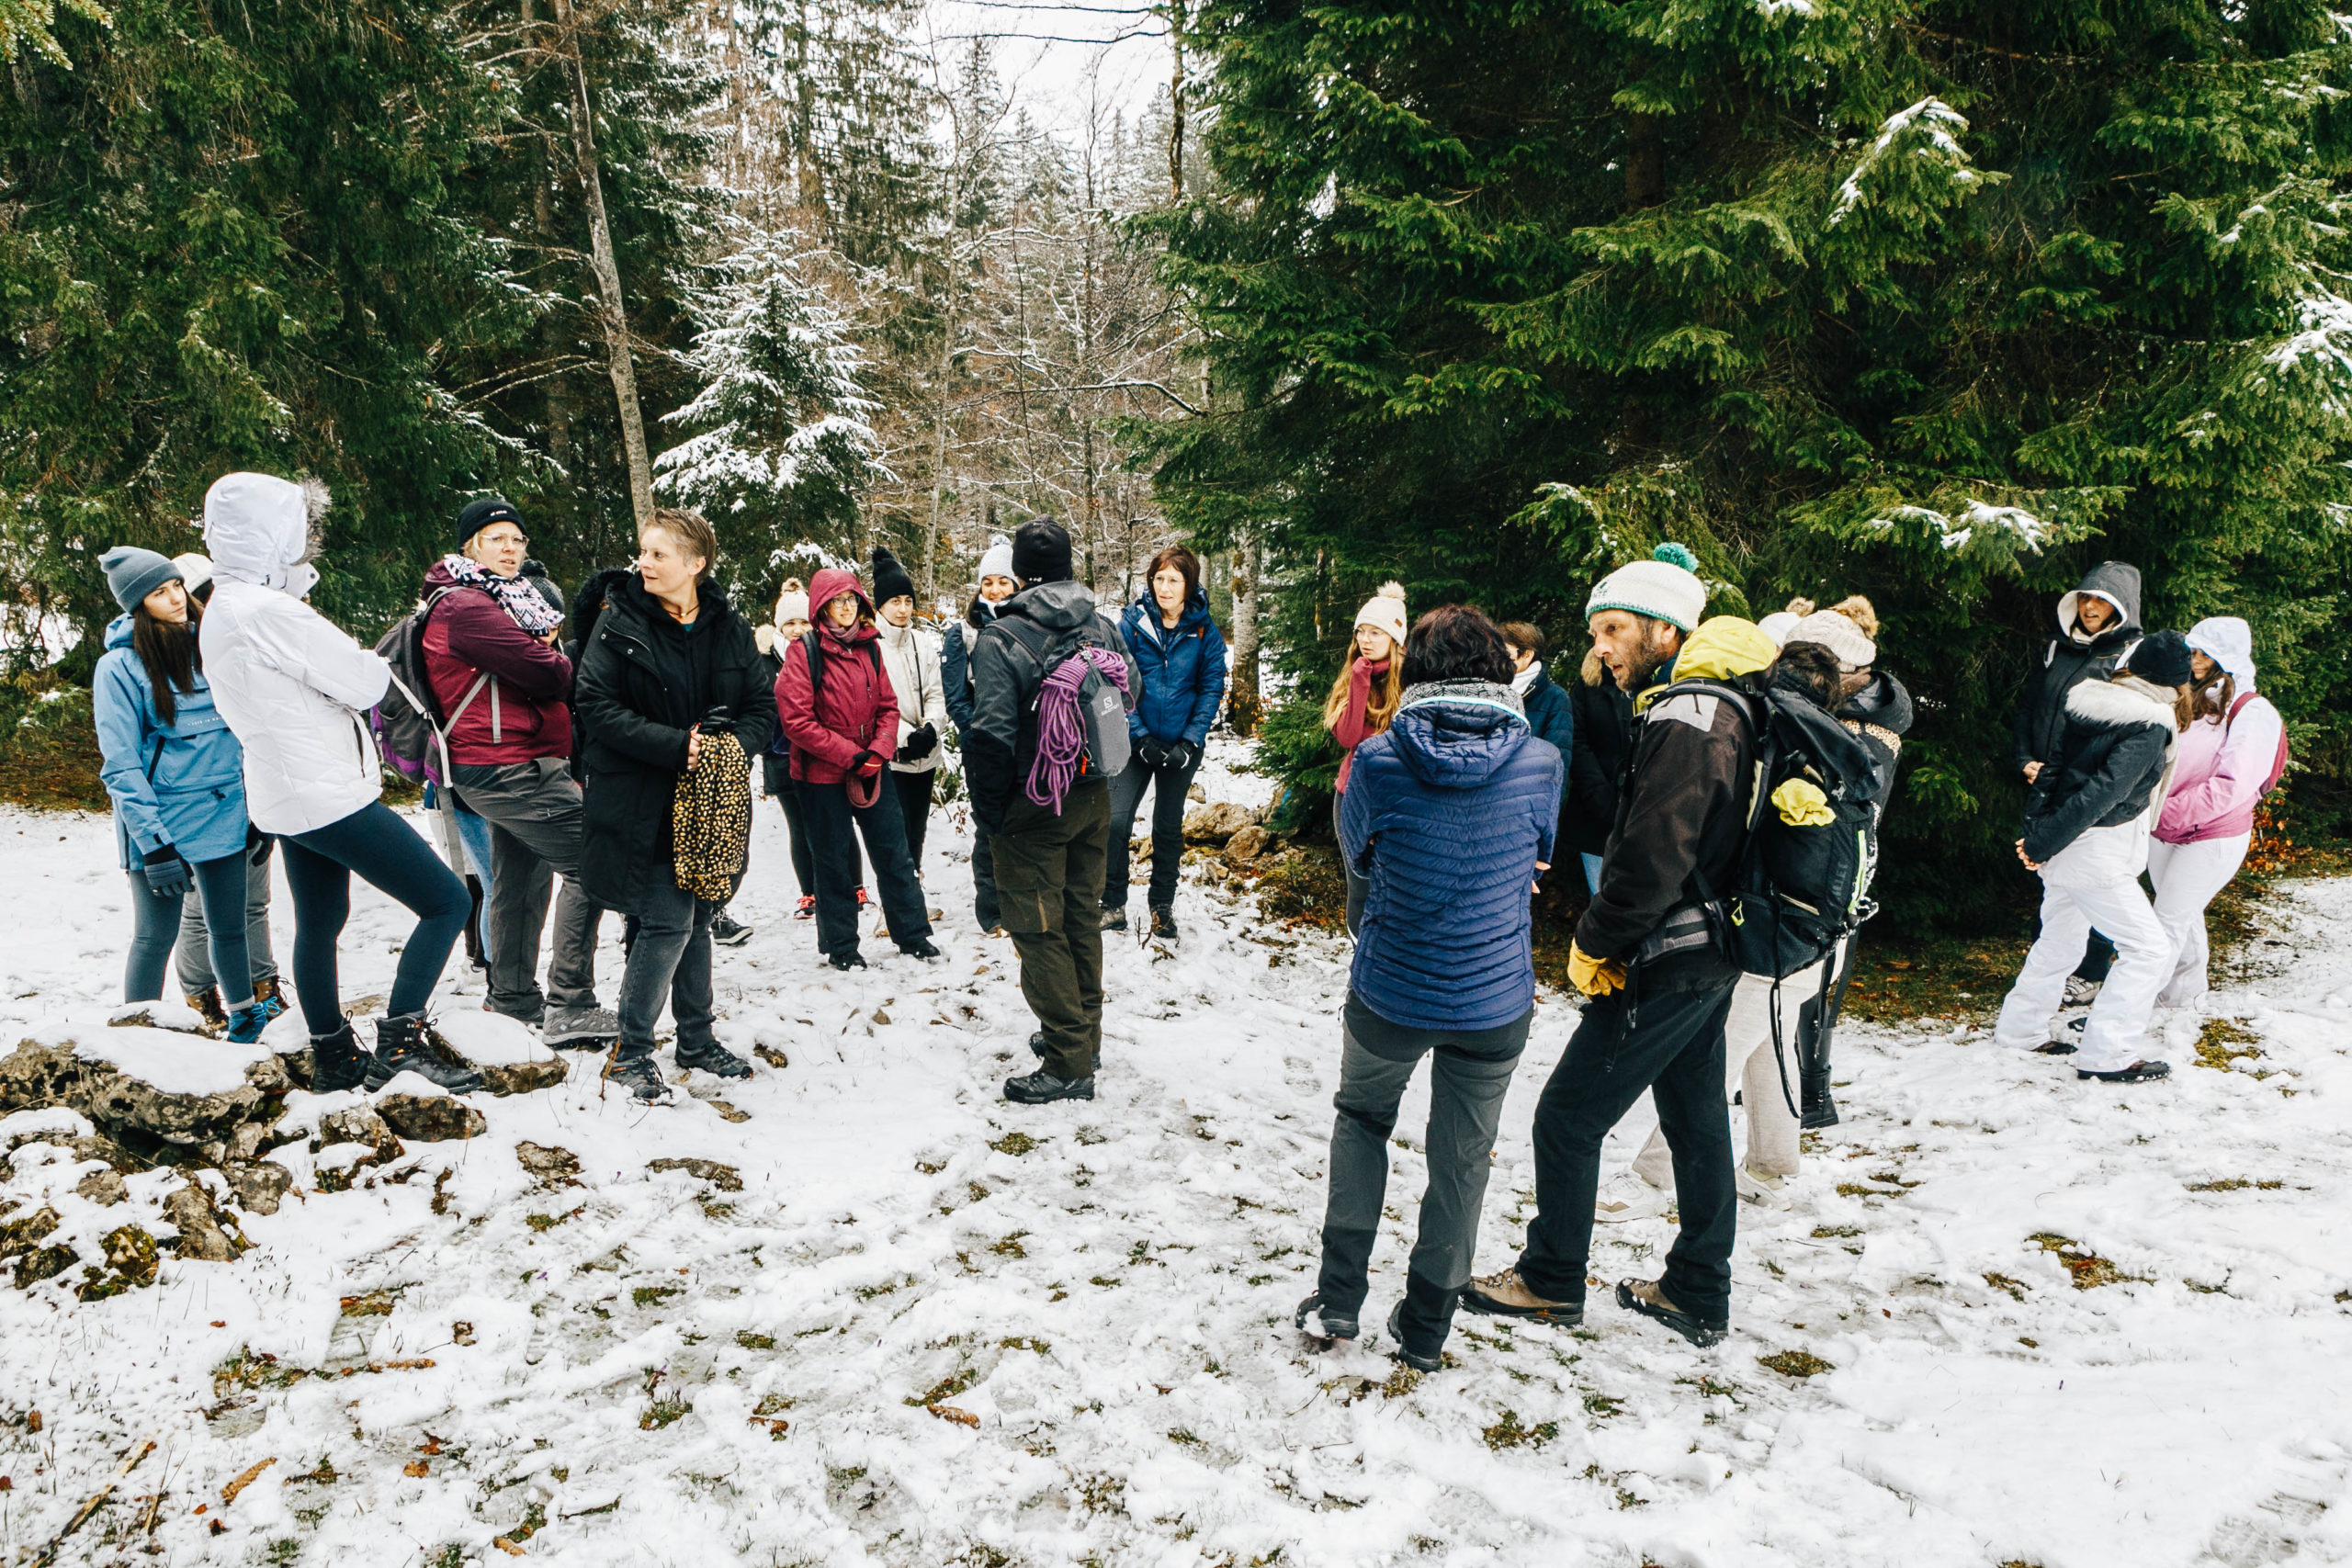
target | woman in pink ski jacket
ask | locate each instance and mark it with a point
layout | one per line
(2228, 757)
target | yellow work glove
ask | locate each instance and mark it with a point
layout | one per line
(1594, 976)
(1802, 804)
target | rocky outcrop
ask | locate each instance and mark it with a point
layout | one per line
(156, 1085)
(431, 1119)
(554, 1166)
(1216, 824)
(723, 1176)
(207, 1235)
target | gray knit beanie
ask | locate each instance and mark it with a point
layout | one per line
(133, 573)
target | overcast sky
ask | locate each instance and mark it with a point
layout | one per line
(1121, 50)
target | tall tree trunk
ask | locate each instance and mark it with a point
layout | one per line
(608, 278)
(1176, 100)
(939, 442)
(1245, 704)
(1644, 161)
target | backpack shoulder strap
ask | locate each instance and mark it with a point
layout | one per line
(2237, 708)
(816, 650)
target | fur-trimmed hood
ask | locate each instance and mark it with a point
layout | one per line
(2121, 703)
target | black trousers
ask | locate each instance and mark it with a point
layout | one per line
(834, 827)
(1672, 1043)
(914, 810)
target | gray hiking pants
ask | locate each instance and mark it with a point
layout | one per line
(535, 815)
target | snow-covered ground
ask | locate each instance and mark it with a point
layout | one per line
(932, 1328)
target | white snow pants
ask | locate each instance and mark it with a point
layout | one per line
(1753, 1070)
(2116, 1034)
(2186, 876)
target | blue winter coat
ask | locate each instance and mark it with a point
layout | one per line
(1446, 813)
(181, 783)
(1183, 671)
(956, 667)
(1550, 714)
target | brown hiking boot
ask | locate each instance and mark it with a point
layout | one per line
(1507, 1296)
(1646, 1297)
(205, 1005)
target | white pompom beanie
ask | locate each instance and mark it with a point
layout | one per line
(1665, 587)
(997, 559)
(1385, 610)
(1837, 632)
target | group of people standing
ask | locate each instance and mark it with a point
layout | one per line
(236, 720)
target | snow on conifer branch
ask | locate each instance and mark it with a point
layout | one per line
(1930, 130)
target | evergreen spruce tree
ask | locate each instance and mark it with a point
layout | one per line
(1937, 302)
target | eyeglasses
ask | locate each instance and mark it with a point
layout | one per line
(502, 541)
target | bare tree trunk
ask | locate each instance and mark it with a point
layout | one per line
(1176, 101)
(608, 278)
(1245, 704)
(939, 444)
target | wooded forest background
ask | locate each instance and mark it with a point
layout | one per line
(1939, 303)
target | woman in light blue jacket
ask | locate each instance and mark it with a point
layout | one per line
(178, 779)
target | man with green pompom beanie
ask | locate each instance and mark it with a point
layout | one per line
(1664, 588)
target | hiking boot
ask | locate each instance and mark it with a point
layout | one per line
(2138, 1072)
(1507, 1296)
(271, 996)
(806, 909)
(846, 961)
(578, 1029)
(1629, 1197)
(1041, 1088)
(247, 1023)
(1763, 1191)
(2081, 993)
(1396, 1332)
(2065, 1038)
(403, 1045)
(1114, 920)
(1644, 1296)
(1328, 1325)
(712, 1057)
(337, 1061)
(640, 1077)
(1037, 1045)
(1163, 927)
(925, 949)
(996, 931)
(205, 1005)
(729, 931)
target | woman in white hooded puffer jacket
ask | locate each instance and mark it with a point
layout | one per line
(296, 690)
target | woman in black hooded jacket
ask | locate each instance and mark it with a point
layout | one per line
(668, 662)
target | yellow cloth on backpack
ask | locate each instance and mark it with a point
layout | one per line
(710, 821)
(1802, 804)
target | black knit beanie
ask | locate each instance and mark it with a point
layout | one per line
(1041, 552)
(890, 579)
(481, 513)
(2162, 659)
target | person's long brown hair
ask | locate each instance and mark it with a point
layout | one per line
(171, 655)
(2214, 698)
(1388, 689)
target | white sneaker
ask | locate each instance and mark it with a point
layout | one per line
(1628, 1197)
(2081, 993)
(1764, 1192)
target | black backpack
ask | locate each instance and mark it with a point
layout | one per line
(411, 734)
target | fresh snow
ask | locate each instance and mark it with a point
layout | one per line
(1097, 1298)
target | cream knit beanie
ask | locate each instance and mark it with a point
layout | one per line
(1385, 610)
(1665, 587)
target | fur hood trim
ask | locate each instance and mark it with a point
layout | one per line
(2120, 703)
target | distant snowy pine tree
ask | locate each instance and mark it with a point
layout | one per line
(781, 449)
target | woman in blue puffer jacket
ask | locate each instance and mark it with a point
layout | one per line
(1450, 816)
(178, 779)
(1182, 655)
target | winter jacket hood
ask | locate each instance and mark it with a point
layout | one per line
(2228, 642)
(829, 584)
(2119, 744)
(1007, 668)
(257, 529)
(1184, 670)
(1550, 714)
(1449, 811)
(2114, 581)
(523, 711)
(180, 784)
(645, 681)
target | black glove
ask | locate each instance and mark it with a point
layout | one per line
(1151, 753)
(922, 741)
(166, 873)
(1182, 755)
(257, 846)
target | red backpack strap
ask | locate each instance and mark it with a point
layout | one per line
(2244, 698)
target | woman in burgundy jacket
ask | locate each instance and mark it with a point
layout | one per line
(839, 712)
(504, 689)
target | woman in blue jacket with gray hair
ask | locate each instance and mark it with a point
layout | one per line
(1182, 655)
(178, 779)
(1450, 816)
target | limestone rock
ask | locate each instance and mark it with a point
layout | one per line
(505, 1051)
(104, 1188)
(20, 1241)
(1217, 823)
(360, 1125)
(131, 1263)
(522, 1078)
(206, 1234)
(177, 1017)
(554, 1166)
(723, 1176)
(170, 1088)
(1247, 844)
(431, 1119)
(259, 1184)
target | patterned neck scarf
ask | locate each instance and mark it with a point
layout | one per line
(517, 597)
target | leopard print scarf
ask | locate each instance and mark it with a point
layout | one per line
(710, 821)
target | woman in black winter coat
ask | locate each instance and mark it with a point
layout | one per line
(668, 662)
(1604, 733)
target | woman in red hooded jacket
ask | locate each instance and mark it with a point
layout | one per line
(839, 711)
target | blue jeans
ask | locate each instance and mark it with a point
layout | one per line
(473, 834)
(1591, 872)
(389, 856)
(155, 926)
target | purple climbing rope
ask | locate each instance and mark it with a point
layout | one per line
(1061, 730)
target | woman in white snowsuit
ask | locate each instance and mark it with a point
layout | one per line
(2087, 834)
(297, 690)
(2230, 755)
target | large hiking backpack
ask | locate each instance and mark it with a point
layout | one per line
(409, 730)
(1802, 886)
(1104, 743)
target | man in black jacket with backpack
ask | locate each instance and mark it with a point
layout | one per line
(1649, 958)
(1049, 858)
